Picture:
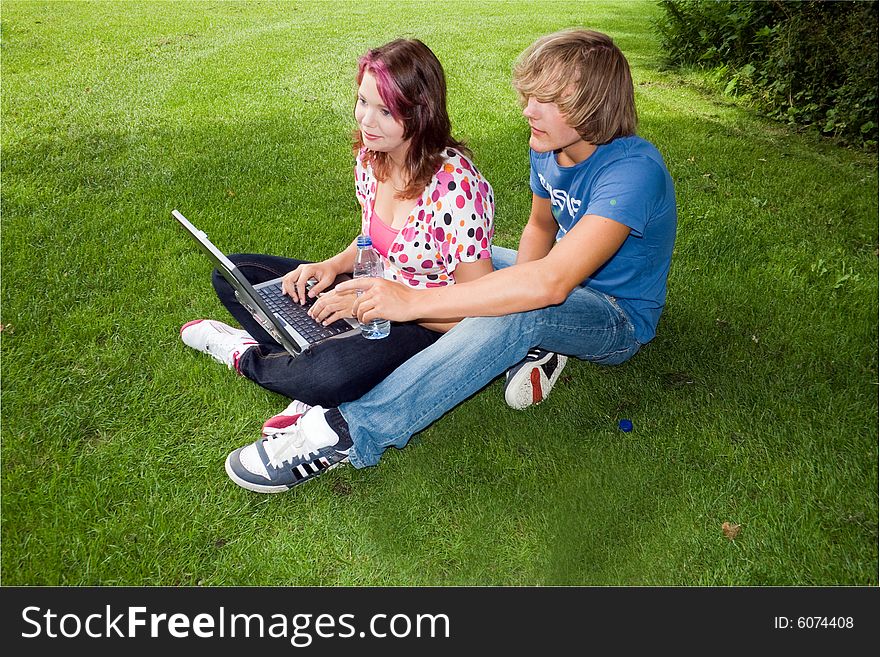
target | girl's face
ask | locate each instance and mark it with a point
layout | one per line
(380, 130)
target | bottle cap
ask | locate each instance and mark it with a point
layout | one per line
(364, 240)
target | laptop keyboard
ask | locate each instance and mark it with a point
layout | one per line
(297, 315)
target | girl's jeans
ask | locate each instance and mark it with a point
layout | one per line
(588, 325)
(328, 373)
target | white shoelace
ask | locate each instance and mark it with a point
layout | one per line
(295, 407)
(284, 446)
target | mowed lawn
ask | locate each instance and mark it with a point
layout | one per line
(755, 406)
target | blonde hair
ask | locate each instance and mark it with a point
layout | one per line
(588, 78)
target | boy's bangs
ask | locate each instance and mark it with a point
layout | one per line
(546, 84)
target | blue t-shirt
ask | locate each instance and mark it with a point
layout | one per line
(626, 181)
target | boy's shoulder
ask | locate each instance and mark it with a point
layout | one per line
(632, 155)
(630, 146)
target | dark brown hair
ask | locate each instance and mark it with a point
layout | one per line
(412, 85)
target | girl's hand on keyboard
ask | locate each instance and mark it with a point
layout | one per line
(295, 283)
(332, 306)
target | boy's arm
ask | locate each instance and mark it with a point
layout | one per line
(464, 273)
(525, 286)
(539, 235)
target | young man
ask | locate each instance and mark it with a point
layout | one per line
(589, 279)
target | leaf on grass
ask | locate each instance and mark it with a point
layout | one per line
(7, 328)
(731, 531)
(677, 379)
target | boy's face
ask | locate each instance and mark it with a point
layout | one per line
(550, 131)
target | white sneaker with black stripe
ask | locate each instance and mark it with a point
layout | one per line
(531, 380)
(287, 458)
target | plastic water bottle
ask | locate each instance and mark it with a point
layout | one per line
(368, 263)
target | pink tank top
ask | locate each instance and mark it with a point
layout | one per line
(382, 235)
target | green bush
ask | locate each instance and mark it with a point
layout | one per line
(807, 63)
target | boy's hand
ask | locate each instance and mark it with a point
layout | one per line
(382, 299)
(332, 306)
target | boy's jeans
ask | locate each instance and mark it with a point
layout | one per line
(588, 325)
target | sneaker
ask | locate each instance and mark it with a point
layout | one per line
(288, 458)
(220, 341)
(285, 418)
(533, 378)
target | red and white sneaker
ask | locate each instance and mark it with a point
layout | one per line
(285, 419)
(531, 380)
(220, 341)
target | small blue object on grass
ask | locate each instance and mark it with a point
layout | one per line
(625, 425)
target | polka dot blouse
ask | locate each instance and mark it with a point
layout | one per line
(452, 222)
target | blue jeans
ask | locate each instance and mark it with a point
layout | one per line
(328, 373)
(588, 325)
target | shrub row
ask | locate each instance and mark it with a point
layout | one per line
(811, 63)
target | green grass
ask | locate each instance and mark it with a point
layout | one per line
(756, 404)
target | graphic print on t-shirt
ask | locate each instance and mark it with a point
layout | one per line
(560, 200)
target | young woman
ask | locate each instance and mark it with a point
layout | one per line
(429, 213)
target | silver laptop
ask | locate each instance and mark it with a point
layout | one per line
(284, 319)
